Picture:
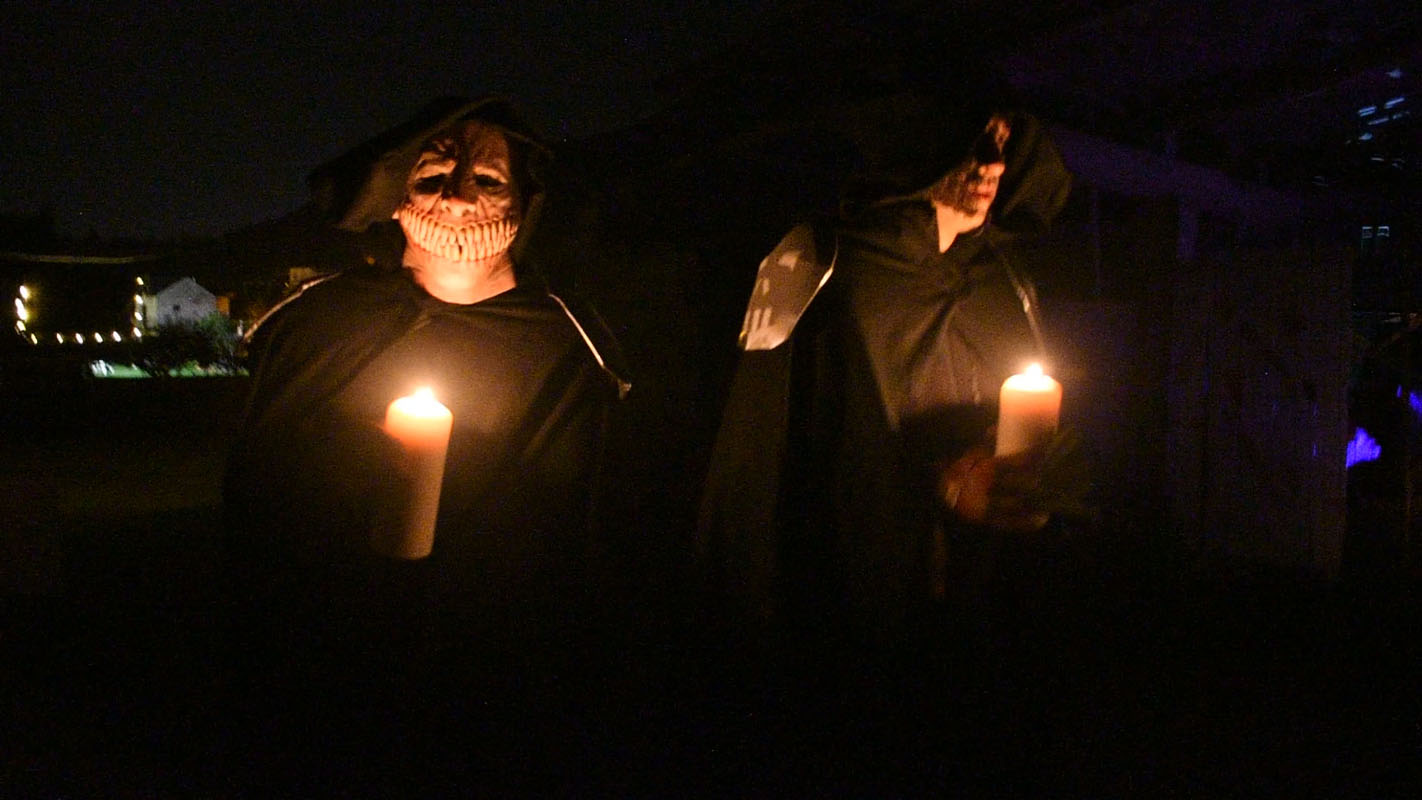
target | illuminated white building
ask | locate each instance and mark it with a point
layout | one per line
(184, 301)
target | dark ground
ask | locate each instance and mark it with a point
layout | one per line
(1102, 667)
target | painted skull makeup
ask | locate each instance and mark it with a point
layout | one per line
(461, 202)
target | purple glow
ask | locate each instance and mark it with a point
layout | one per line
(1415, 402)
(1362, 448)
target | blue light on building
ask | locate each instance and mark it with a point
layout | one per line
(1362, 448)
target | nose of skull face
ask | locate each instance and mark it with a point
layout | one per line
(465, 172)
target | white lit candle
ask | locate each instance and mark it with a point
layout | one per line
(1029, 408)
(421, 425)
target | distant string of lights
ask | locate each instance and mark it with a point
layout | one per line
(138, 308)
(25, 298)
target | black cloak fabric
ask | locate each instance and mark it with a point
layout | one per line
(819, 506)
(529, 381)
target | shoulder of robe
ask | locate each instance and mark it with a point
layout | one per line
(353, 291)
(597, 337)
(788, 279)
(302, 288)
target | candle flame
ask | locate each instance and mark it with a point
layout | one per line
(1034, 369)
(422, 403)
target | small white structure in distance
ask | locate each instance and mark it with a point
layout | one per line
(183, 301)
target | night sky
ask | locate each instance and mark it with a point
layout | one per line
(166, 119)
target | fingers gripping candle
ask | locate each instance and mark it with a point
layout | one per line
(421, 425)
(1028, 410)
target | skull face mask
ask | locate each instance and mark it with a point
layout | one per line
(461, 203)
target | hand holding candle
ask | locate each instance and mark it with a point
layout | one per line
(421, 425)
(1028, 410)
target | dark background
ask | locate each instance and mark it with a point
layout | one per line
(1240, 620)
(194, 119)
(169, 119)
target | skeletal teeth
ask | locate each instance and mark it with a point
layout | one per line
(474, 242)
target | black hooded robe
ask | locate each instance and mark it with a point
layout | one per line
(311, 465)
(820, 509)
(529, 381)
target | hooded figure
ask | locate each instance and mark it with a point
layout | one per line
(874, 346)
(527, 378)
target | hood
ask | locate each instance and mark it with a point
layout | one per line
(913, 141)
(364, 186)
